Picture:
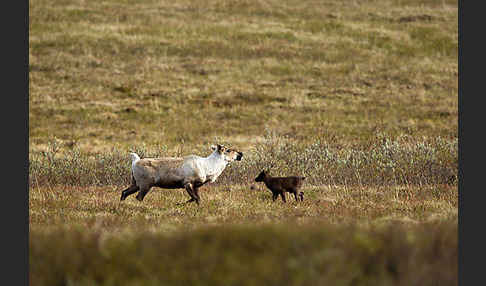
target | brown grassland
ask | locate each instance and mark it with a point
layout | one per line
(361, 97)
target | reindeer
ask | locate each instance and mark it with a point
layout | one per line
(280, 185)
(189, 173)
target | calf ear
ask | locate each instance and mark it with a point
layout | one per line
(213, 147)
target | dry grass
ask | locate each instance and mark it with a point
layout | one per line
(239, 204)
(362, 96)
(120, 73)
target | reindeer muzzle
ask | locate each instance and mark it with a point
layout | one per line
(239, 156)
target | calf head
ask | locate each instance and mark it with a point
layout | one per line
(261, 176)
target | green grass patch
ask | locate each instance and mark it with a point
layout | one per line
(247, 255)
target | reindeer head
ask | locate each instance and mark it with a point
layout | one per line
(263, 173)
(228, 154)
(261, 176)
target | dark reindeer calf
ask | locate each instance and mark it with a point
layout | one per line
(280, 185)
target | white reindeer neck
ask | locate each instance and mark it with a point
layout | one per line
(214, 164)
(217, 158)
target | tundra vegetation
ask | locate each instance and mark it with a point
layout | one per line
(360, 97)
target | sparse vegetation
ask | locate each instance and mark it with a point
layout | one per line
(361, 97)
(377, 162)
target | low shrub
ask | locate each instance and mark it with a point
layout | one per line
(380, 161)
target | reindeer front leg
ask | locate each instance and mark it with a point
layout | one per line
(192, 192)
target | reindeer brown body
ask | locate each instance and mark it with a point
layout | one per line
(280, 185)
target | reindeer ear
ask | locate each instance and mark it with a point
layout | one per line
(217, 147)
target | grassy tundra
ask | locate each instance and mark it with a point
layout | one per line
(360, 97)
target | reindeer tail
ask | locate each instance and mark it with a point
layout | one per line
(135, 158)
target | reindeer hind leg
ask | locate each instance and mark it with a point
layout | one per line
(143, 192)
(130, 190)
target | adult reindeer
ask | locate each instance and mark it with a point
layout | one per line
(189, 173)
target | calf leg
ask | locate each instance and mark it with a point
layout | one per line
(274, 196)
(295, 196)
(130, 190)
(282, 194)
